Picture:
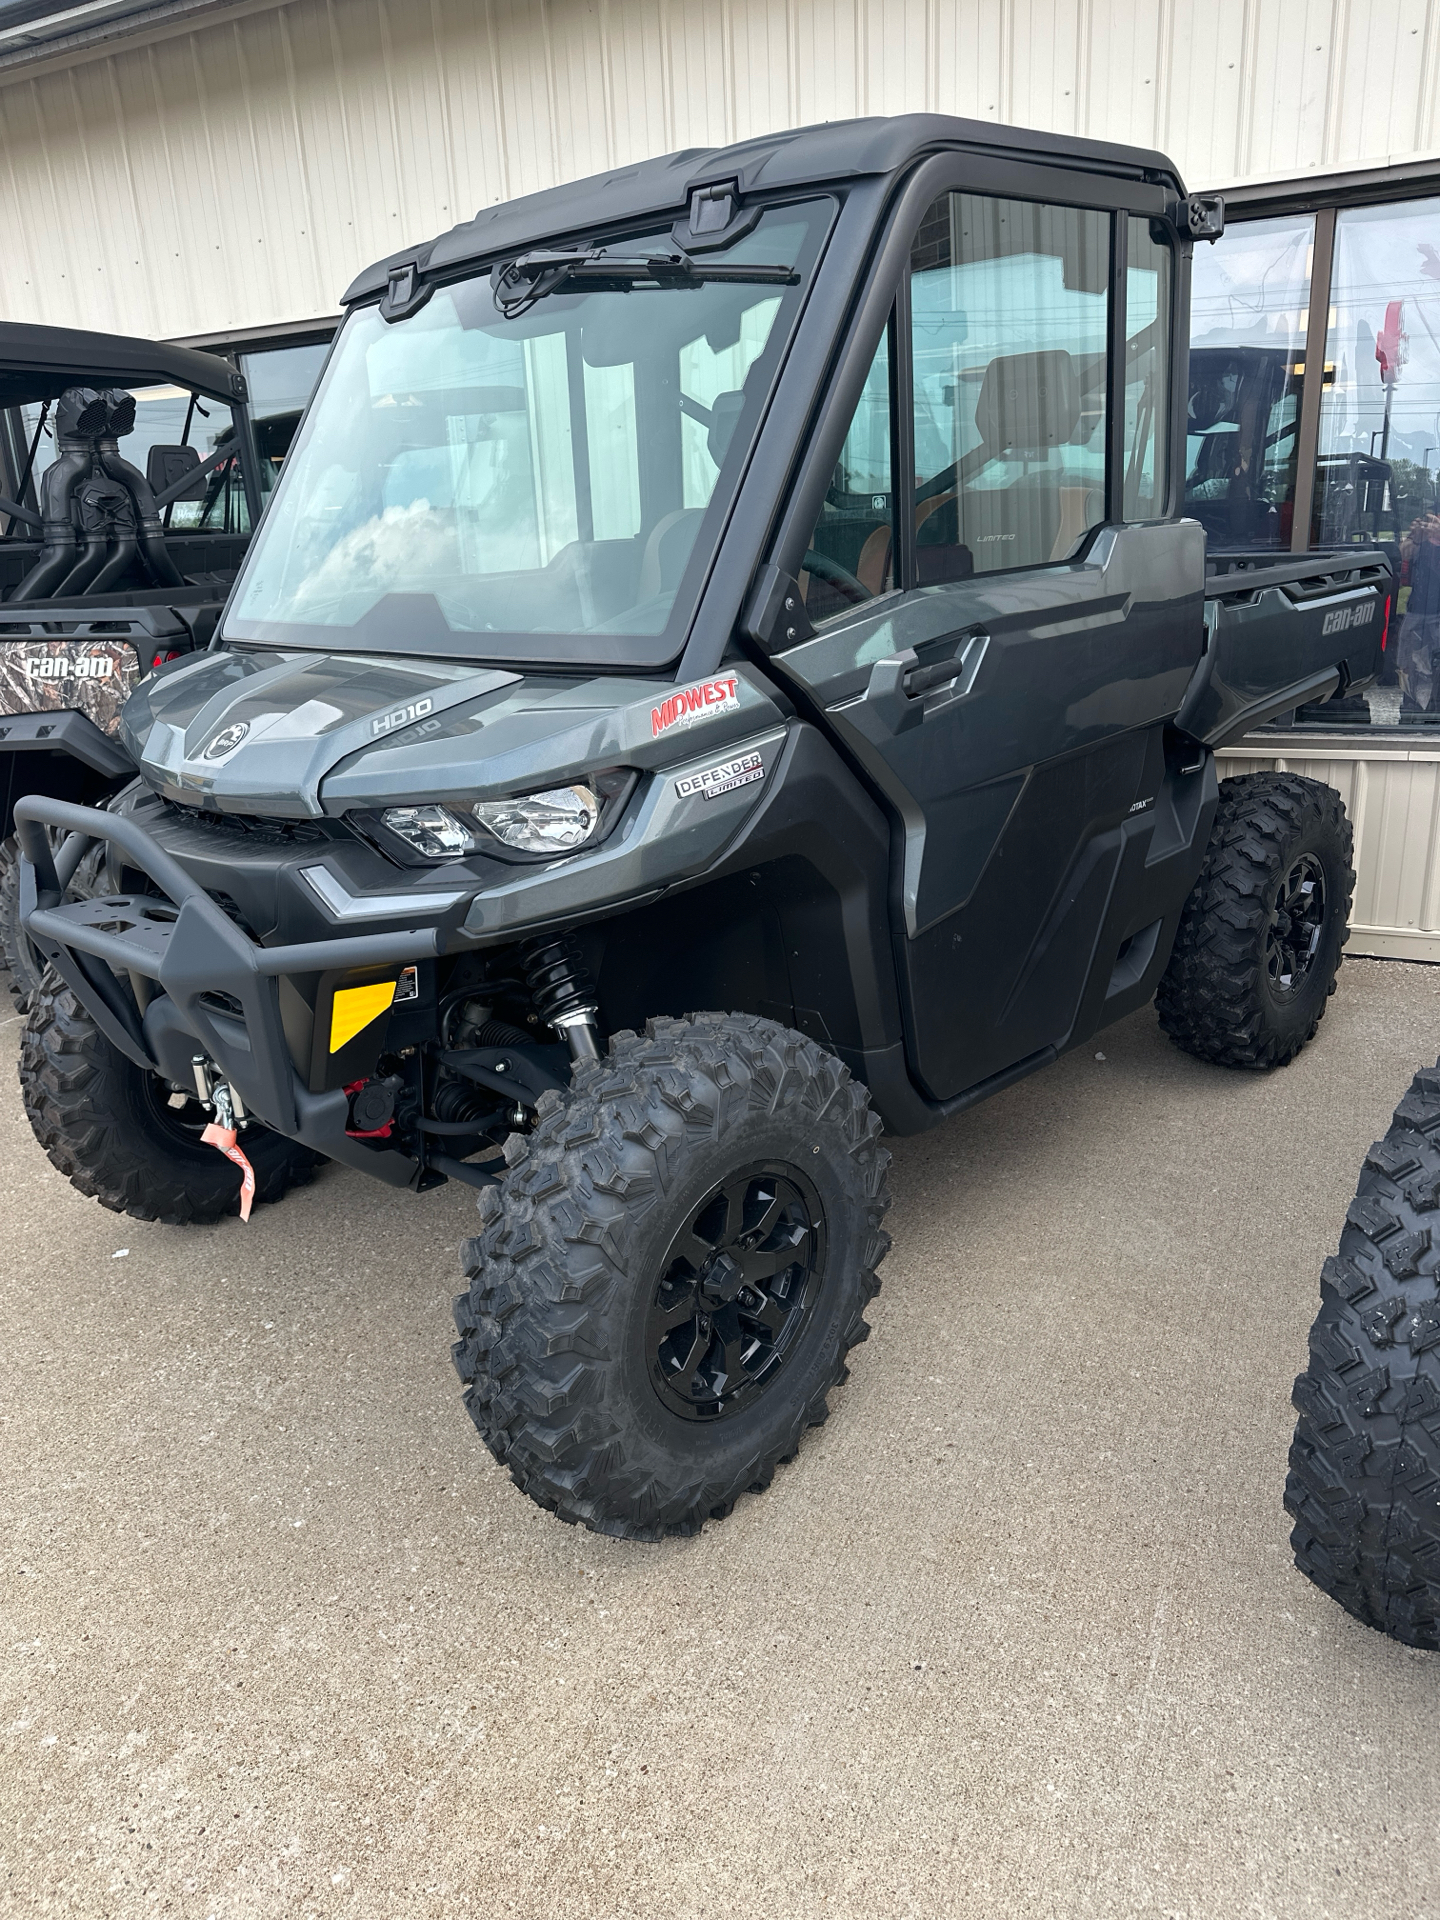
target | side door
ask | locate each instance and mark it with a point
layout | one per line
(1005, 615)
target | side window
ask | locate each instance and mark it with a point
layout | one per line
(1147, 373)
(1009, 305)
(851, 557)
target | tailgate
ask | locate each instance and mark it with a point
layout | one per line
(1284, 635)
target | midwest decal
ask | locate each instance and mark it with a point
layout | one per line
(688, 704)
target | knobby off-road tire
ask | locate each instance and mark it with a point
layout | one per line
(1260, 938)
(105, 1124)
(1364, 1482)
(605, 1351)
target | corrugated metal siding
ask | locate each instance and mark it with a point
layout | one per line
(1393, 797)
(236, 174)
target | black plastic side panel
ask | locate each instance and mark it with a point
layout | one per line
(981, 1000)
(1282, 635)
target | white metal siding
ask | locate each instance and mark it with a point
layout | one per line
(237, 173)
(1392, 793)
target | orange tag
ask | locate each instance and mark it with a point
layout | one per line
(224, 1139)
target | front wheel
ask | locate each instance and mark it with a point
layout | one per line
(119, 1135)
(667, 1281)
(1260, 937)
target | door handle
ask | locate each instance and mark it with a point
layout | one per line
(907, 677)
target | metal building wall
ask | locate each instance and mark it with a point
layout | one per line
(232, 170)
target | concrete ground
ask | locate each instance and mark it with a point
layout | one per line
(1017, 1634)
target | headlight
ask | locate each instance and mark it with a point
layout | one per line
(433, 832)
(559, 820)
(556, 822)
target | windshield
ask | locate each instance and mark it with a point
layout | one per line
(558, 474)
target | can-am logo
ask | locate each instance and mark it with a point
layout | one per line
(227, 740)
(59, 666)
(1343, 618)
(690, 704)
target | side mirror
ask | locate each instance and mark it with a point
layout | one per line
(167, 467)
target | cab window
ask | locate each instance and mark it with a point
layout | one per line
(1009, 309)
(851, 557)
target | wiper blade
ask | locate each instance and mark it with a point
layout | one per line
(518, 284)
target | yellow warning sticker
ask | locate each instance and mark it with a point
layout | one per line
(353, 1008)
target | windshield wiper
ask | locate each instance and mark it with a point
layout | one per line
(518, 284)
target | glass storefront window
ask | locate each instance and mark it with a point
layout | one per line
(1249, 309)
(1378, 470)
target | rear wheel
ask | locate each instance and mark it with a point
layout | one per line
(1365, 1464)
(1260, 938)
(110, 1127)
(666, 1283)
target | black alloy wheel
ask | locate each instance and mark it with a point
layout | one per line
(1297, 925)
(736, 1289)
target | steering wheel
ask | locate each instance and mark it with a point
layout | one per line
(834, 575)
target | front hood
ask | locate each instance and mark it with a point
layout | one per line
(295, 734)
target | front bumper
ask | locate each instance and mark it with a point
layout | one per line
(196, 956)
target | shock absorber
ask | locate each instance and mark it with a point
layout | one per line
(563, 992)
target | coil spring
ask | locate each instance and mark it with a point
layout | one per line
(558, 978)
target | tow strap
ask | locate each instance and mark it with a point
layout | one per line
(224, 1139)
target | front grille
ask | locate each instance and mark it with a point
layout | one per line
(244, 829)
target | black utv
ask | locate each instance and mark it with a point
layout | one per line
(129, 482)
(751, 581)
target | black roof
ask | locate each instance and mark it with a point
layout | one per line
(837, 150)
(37, 363)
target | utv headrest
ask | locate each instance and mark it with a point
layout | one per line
(725, 410)
(1028, 400)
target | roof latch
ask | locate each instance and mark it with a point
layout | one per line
(716, 218)
(712, 208)
(404, 291)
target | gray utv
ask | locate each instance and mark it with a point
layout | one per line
(756, 581)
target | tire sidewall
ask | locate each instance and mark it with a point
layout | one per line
(103, 1128)
(720, 1447)
(1292, 1017)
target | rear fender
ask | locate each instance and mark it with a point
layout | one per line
(62, 755)
(1282, 636)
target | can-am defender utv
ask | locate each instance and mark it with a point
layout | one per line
(751, 580)
(129, 481)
